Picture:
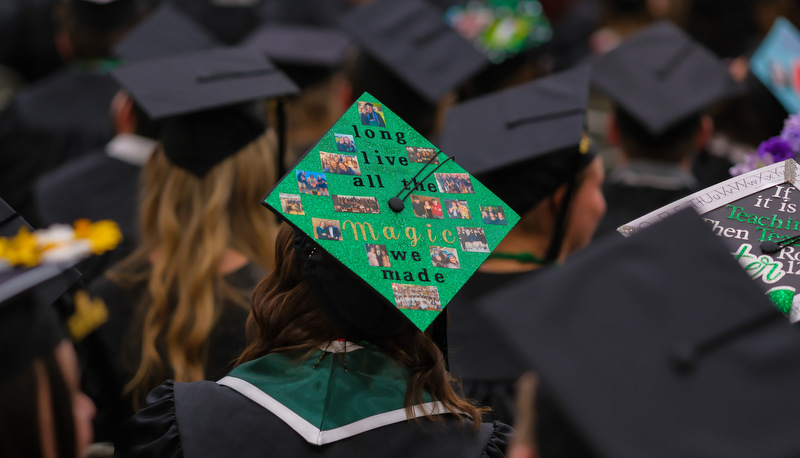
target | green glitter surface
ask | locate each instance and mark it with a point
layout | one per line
(351, 250)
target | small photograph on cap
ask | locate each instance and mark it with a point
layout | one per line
(423, 155)
(445, 257)
(454, 183)
(377, 256)
(427, 207)
(313, 183)
(291, 204)
(493, 215)
(472, 239)
(457, 209)
(355, 204)
(326, 229)
(345, 143)
(371, 114)
(342, 164)
(416, 297)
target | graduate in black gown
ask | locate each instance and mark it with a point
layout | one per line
(178, 304)
(104, 183)
(64, 115)
(659, 119)
(647, 344)
(333, 367)
(527, 145)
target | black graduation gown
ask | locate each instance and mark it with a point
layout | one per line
(49, 123)
(96, 187)
(487, 370)
(626, 203)
(204, 419)
(111, 351)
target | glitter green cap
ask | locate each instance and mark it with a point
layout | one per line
(395, 210)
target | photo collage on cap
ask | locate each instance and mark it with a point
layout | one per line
(416, 258)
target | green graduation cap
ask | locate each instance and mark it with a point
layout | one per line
(401, 216)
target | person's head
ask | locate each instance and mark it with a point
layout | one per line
(285, 315)
(43, 412)
(188, 225)
(585, 209)
(90, 30)
(676, 144)
(129, 118)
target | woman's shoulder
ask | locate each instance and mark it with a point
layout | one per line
(208, 419)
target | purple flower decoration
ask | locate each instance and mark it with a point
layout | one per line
(791, 132)
(775, 148)
(751, 162)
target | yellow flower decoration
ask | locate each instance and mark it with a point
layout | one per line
(103, 235)
(89, 315)
(22, 250)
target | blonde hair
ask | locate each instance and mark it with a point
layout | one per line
(187, 224)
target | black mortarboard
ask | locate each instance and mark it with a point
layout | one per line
(105, 15)
(205, 101)
(306, 54)
(661, 76)
(229, 21)
(666, 349)
(165, 32)
(10, 224)
(29, 325)
(412, 39)
(523, 142)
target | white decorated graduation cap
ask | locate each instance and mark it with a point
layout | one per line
(205, 101)
(106, 14)
(755, 215)
(666, 349)
(411, 38)
(661, 76)
(307, 54)
(525, 141)
(165, 32)
(379, 247)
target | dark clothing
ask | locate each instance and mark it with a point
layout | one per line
(96, 187)
(372, 119)
(487, 370)
(112, 350)
(626, 203)
(49, 123)
(204, 419)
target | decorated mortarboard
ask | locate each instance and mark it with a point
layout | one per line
(526, 141)
(776, 64)
(307, 54)
(165, 32)
(655, 355)
(375, 200)
(501, 28)
(106, 14)
(412, 39)
(661, 76)
(206, 101)
(756, 214)
(35, 269)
